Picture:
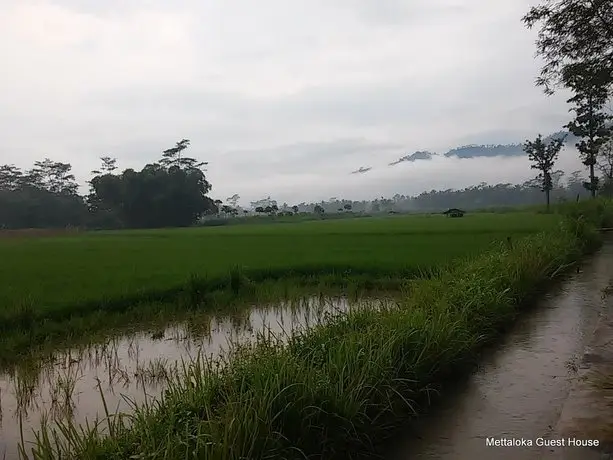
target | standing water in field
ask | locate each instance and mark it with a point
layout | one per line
(132, 369)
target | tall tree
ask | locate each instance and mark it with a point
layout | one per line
(174, 157)
(544, 156)
(575, 36)
(54, 176)
(109, 165)
(171, 193)
(591, 124)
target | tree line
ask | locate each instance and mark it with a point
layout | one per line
(46, 197)
(171, 192)
(564, 188)
(575, 42)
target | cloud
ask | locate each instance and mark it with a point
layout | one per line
(280, 97)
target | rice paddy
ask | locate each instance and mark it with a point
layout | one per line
(456, 283)
(52, 272)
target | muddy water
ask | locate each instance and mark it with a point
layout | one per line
(133, 368)
(519, 389)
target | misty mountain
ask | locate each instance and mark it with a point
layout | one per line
(571, 139)
(362, 170)
(419, 155)
(474, 150)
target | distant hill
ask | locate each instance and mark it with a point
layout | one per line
(475, 151)
(362, 170)
(420, 155)
(571, 139)
(472, 151)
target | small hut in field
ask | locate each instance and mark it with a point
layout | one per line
(454, 212)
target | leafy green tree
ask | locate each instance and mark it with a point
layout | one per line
(575, 37)
(591, 124)
(171, 193)
(54, 177)
(43, 197)
(229, 210)
(544, 155)
(11, 177)
(109, 165)
(173, 157)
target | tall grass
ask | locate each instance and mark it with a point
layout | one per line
(337, 390)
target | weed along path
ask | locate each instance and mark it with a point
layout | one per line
(518, 392)
(74, 385)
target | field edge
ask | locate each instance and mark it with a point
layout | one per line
(334, 389)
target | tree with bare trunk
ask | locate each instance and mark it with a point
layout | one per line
(544, 155)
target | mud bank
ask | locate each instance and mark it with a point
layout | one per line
(527, 390)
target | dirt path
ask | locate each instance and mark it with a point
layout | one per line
(526, 393)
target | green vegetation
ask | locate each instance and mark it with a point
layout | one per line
(543, 156)
(579, 59)
(335, 389)
(65, 285)
(62, 271)
(328, 392)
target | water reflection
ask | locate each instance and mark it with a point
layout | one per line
(130, 369)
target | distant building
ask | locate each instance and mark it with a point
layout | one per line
(454, 212)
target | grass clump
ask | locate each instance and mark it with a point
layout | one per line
(333, 390)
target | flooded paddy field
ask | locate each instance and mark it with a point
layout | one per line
(133, 369)
(76, 286)
(359, 368)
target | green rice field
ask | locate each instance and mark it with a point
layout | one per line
(342, 388)
(67, 270)
(349, 381)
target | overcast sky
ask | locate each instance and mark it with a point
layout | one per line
(282, 97)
